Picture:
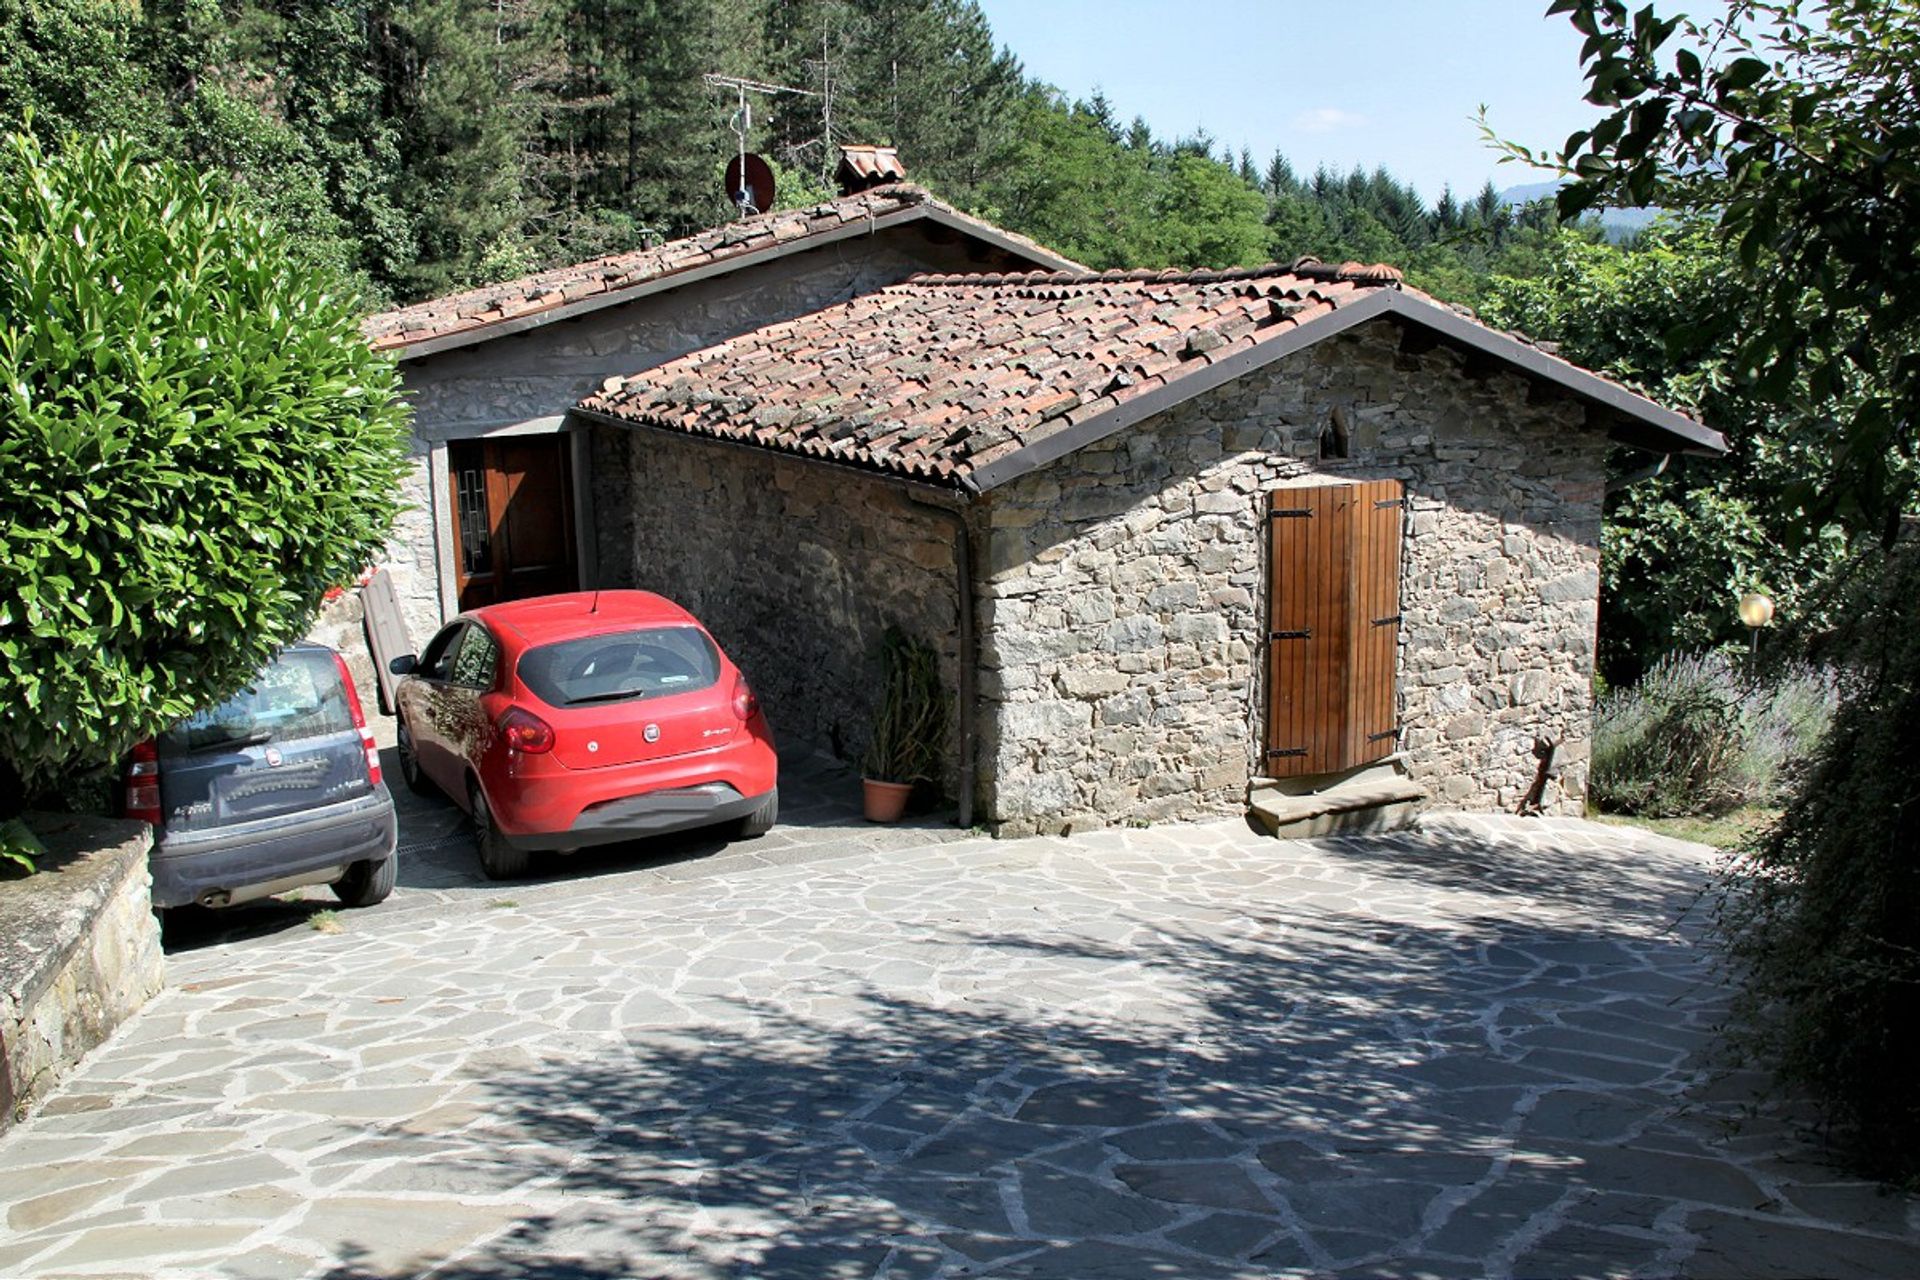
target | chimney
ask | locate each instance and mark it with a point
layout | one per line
(862, 168)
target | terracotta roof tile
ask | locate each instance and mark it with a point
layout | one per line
(942, 374)
(476, 309)
(873, 163)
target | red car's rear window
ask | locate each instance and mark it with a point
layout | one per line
(620, 667)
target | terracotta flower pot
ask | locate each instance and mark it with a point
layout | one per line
(885, 801)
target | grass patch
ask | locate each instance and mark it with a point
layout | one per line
(1721, 830)
(503, 904)
(325, 922)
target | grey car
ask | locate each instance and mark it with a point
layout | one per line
(277, 788)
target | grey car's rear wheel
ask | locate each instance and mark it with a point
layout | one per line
(500, 860)
(761, 820)
(368, 882)
(417, 782)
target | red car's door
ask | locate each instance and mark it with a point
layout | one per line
(463, 721)
(422, 699)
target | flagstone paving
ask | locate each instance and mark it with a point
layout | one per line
(1483, 1048)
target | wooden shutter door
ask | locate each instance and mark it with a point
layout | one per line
(1333, 626)
(1373, 706)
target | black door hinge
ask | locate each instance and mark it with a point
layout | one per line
(1281, 512)
(1283, 754)
(1290, 635)
(1390, 621)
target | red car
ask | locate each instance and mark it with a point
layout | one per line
(566, 721)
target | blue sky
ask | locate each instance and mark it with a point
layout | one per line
(1393, 82)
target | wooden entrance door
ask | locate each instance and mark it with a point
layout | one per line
(1333, 626)
(512, 503)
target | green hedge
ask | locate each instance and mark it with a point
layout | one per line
(196, 443)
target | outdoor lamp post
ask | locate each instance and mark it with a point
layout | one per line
(1756, 611)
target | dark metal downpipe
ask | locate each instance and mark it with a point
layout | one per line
(969, 650)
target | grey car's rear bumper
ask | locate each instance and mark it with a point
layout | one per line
(657, 813)
(251, 860)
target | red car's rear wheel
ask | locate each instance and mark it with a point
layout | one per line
(500, 860)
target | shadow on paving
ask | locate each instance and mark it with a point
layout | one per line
(820, 803)
(1305, 1089)
(1444, 856)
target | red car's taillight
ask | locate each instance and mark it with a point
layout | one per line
(526, 732)
(745, 701)
(143, 783)
(359, 721)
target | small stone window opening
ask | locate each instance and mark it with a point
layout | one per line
(1333, 440)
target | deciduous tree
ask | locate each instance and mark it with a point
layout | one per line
(1795, 127)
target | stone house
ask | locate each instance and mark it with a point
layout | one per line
(500, 501)
(1171, 531)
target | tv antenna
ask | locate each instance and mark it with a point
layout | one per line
(749, 179)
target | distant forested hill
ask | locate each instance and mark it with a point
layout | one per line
(425, 145)
(1620, 225)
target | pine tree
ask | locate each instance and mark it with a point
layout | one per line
(1102, 112)
(1486, 205)
(933, 84)
(1280, 179)
(635, 141)
(455, 85)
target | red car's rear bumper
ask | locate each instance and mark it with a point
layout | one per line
(538, 803)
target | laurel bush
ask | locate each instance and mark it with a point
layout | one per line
(197, 443)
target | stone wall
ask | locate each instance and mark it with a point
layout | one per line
(79, 951)
(796, 568)
(528, 381)
(1125, 600)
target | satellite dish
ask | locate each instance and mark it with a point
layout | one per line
(750, 184)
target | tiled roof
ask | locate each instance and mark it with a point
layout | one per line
(565, 289)
(939, 376)
(947, 378)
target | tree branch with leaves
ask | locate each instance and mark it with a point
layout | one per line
(1795, 125)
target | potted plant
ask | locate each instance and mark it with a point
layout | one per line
(909, 726)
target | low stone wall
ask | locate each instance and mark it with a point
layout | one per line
(79, 951)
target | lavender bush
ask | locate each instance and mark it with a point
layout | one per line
(1696, 736)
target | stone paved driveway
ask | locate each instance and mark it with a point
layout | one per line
(440, 867)
(1189, 1052)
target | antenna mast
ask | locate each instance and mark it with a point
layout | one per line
(742, 123)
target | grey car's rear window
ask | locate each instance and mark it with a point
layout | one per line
(298, 695)
(614, 668)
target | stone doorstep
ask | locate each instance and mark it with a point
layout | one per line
(1376, 797)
